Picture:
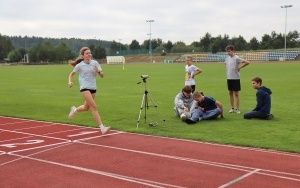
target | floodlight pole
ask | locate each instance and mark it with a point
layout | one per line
(150, 47)
(120, 46)
(286, 7)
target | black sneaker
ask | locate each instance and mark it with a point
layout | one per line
(270, 116)
(190, 121)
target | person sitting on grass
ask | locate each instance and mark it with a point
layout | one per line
(183, 103)
(263, 98)
(208, 108)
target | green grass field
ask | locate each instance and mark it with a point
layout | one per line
(42, 93)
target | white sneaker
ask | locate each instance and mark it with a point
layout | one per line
(231, 110)
(176, 111)
(237, 111)
(72, 112)
(105, 130)
(183, 117)
(187, 114)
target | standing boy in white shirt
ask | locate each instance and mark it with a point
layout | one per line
(190, 72)
(232, 63)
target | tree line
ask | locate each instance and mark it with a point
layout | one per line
(13, 48)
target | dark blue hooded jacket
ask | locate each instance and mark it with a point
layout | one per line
(263, 98)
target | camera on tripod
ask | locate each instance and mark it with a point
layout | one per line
(144, 76)
(145, 103)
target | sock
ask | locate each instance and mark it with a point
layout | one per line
(101, 126)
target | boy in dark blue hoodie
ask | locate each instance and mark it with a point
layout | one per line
(263, 98)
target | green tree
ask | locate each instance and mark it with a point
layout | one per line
(265, 41)
(161, 49)
(42, 52)
(179, 47)
(214, 48)
(154, 44)
(205, 42)
(92, 47)
(254, 44)
(134, 45)
(239, 43)
(5, 47)
(278, 41)
(47, 52)
(99, 52)
(63, 53)
(16, 55)
(114, 48)
(293, 39)
(218, 43)
(168, 46)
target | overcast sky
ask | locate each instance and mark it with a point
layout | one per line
(125, 20)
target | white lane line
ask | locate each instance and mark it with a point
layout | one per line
(34, 127)
(222, 145)
(210, 163)
(10, 153)
(22, 133)
(83, 133)
(89, 138)
(65, 131)
(15, 139)
(112, 175)
(279, 176)
(185, 140)
(27, 142)
(239, 178)
(39, 147)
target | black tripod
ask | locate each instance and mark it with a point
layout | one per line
(145, 103)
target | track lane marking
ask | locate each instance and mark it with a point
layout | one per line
(10, 153)
(83, 133)
(28, 142)
(112, 175)
(211, 163)
(185, 140)
(237, 147)
(239, 178)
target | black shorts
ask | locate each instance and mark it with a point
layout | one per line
(91, 90)
(193, 88)
(234, 85)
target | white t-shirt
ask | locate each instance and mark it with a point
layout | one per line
(87, 74)
(232, 66)
(189, 72)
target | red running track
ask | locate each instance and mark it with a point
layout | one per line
(45, 154)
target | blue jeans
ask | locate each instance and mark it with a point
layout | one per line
(210, 114)
(255, 114)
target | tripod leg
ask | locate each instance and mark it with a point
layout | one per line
(146, 105)
(141, 108)
(156, 107)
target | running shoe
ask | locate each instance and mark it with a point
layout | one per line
(237, 111)
(231, 110)
(72, 112)
(105, 130)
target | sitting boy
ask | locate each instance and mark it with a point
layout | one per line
(184, 102)
(263, 99)
(208, 108)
